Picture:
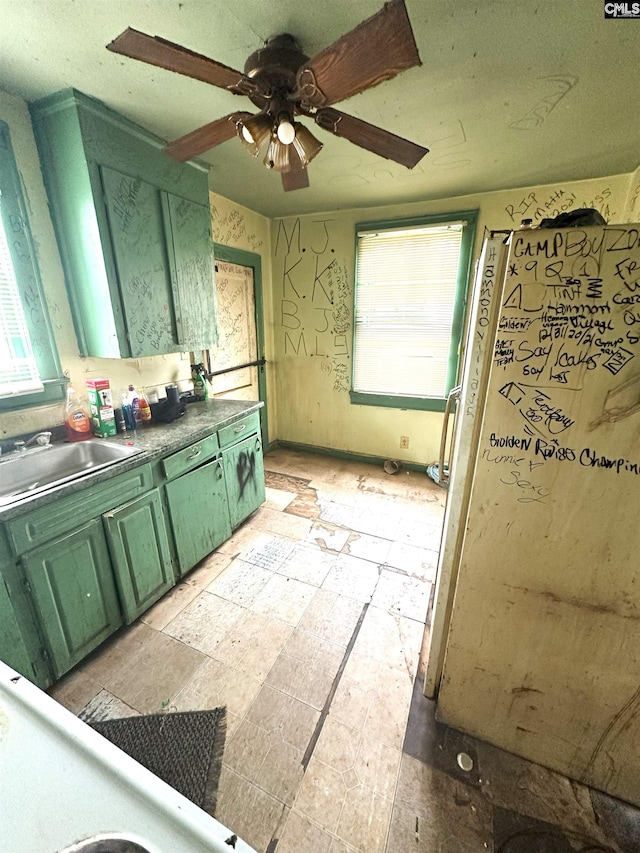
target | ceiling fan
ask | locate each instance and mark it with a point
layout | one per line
(284, 83)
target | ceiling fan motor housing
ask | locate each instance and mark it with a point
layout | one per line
(274, 66)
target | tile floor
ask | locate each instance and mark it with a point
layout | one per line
(308, 625)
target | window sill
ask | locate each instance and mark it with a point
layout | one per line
(392, 401)
(54, 392)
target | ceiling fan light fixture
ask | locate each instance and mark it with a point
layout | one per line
(253, 131)
(286, 129)
(277, 155)
(305, 144)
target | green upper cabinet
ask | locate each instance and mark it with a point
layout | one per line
(135, 220)
(133, 228)
(190, 257)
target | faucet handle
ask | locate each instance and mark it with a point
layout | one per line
(43, 439)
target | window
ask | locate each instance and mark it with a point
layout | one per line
(30, 372)
(411, 284)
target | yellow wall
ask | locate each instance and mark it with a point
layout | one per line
(313, 274)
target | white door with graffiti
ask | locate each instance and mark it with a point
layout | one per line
(237, 338)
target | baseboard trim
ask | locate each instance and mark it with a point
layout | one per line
(344, 454)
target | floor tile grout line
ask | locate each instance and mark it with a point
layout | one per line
(334, 686)
(271, 847)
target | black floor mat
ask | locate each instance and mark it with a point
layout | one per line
(184, 749)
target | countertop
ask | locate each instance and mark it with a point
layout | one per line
(154, 441)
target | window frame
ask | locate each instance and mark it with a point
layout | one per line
(430, 404)
(24, 259)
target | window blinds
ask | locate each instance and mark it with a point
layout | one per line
(405, 301)
(18, 369)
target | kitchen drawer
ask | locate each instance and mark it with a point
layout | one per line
(64, 514)
(190, 457)
(238, 430)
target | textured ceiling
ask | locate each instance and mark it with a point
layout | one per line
(510, 93)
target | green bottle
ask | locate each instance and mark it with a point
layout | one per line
(200, 388)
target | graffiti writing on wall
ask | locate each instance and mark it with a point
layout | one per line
(314, 297)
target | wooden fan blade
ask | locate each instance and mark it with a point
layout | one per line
(369, 136)
(192, 144)
(298, 177)
(174, 57)
(376, 50)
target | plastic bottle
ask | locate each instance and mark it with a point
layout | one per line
(200, 388)
(134, 402)
(127, 412)
(145, 408)
(76, 419)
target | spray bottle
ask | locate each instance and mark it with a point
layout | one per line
(200, 385)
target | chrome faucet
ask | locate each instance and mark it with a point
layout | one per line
(42, 439)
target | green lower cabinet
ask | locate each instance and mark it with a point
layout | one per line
(140, 553)
(13, 649)
(199, 516)
(76, 598)
(244, 476)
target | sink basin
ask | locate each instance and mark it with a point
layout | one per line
(28, 473)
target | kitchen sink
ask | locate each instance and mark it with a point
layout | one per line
(34, 471)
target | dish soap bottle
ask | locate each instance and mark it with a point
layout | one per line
(134, 402)
(200, 388)
(76, 419)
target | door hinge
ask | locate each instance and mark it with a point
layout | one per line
(27, 586)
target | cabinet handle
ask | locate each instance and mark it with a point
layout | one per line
(258, 445)
(240, 428)
(195, 453)
(219, 471)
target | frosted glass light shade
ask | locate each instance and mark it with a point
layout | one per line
(254, 131)
(277, 156)
(305, 144)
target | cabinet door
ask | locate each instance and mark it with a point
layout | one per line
(140, 553)
(137, 236)
(199, 514)
(13, 650)
(75, 594)
(188, 232)
(244, 476)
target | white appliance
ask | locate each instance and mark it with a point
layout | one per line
(62, 783)
(536, 627)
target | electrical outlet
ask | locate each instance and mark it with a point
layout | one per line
(404, 442)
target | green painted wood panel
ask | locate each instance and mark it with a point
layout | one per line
(20, 644)
(190, 457)
(190, 247)
(244, 477)
(199, 515)
(137, 236)
(75, 594)
(139, 548)
(65, 514)
(78, 137)
(13, 649)
(82, 235)
(235, 432)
